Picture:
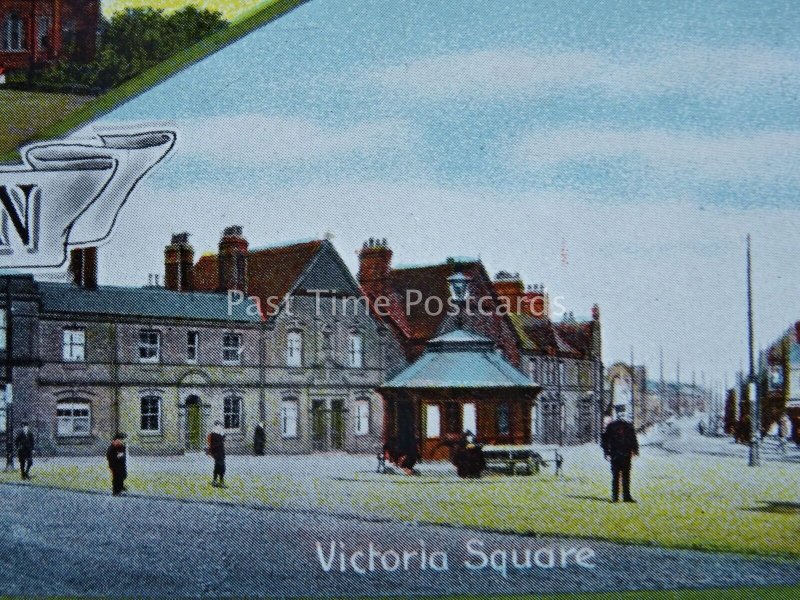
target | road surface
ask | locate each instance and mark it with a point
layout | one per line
(56, 542)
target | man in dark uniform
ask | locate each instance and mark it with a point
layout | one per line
(258, 439)
(216, 449)
(25, 450)
(619, 446)
(117, 456)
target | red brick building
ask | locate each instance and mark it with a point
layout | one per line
(416, 299)
(34, 32)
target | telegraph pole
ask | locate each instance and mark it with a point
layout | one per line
(752, 391)
(633, 396)
(9, 372)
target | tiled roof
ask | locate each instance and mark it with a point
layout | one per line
(418, 325)
(272, 272)
(538, 334)
(140, 302)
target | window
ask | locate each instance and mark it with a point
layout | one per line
(232, 411)
(3, 329)
(74, 345)
(469, 418)
(232, 348)
(151, 413)
(289, 418)
(192, 346)
(43, 32)
(355, 353)
(562, 373)
(775, 377)
(149, 346)
(433, 419)
(503, 425)
(73, 418)
(294, 349)
(362, 417)
(13, 33)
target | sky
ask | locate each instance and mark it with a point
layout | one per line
(617, 152)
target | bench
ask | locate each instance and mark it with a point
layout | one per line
(509, 458)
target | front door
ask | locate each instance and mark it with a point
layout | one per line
(194, 424)
(319, 425)
(337, 424)
(585, 420)
(550, 413)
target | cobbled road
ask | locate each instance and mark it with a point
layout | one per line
(55, 542)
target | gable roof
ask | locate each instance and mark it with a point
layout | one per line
(542, 335)
(274, 272)
(271, 272)
(539, 334)
(140, 302)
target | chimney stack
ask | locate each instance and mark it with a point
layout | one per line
(83, 267)
(374, 266)
(509, 290)
(595, 312)
(179, 264)
(537, 303)
(232, 260)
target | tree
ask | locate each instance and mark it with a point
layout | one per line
(131, 42)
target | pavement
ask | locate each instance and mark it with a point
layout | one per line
(58, 542)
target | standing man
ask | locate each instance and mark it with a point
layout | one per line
(216, 449)
(258, 439)
(619, 447)
(117, 456)
(25, 450)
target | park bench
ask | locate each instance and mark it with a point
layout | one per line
(510, 458)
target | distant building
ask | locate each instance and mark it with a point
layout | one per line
(779, 382)
(564, 357)
(33, 32)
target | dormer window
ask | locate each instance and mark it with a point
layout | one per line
(459, 287)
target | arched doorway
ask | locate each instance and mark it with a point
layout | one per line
(194, 423)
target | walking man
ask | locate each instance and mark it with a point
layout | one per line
(216, 449)
(117, 456)
(258, 439)
(619, 446)
(25, 450)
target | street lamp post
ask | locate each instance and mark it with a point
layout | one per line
(752, 389)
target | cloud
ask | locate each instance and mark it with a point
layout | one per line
(760, 156)
(259, 138)
(519, 72)
(667, 273)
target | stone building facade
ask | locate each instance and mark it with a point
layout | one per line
(163, 364)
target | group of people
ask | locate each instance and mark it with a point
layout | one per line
(619, 445)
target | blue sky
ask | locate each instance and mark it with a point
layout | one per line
(616, 152)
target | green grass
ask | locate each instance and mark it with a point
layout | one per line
(261, 14)
(25, 115)
(693, 502)
(718, 505)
